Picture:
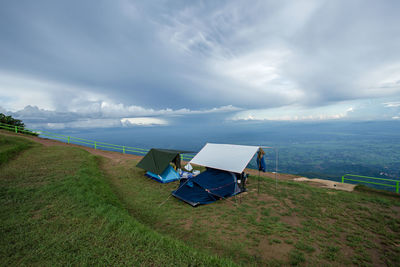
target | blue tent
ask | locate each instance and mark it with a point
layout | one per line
(207, 187)
(168, 175)
(157, 164)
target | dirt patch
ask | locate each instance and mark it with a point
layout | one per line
(291, 220)
(396, 210)
(264, 197)
(116, 156)
(326, 184)
(375, 257)
(279, 176)
(289, 203)
(187, 224)
(270, 250)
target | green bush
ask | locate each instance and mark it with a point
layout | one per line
(10, 121)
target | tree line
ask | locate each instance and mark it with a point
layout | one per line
(14, 122)
(10, 120)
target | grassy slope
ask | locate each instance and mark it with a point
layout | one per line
(9, 148)
(289, 224)
(57, 209)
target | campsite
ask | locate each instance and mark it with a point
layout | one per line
(224, 175)
(65, 200)
(200, 133)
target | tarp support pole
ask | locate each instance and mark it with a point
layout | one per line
(276, 168)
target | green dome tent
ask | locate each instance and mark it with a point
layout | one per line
(157, 164)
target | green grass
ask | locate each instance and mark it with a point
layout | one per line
(314, 226)
(296, 257)
(56, 208)
(62, 206)
(10, 147)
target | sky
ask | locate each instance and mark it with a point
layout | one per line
(121, 63)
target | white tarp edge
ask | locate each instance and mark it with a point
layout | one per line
(233, 158)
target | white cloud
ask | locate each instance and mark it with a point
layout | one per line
(78, 124)
(64, 106)
(305, 53)
(103, 114)
(143, 121)
(392, 104)
(295, 113)
(16, 92)
(260, 74)
(110, 109)
(382, 80)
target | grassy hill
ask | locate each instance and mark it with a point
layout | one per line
(61, 205)
(57, 208)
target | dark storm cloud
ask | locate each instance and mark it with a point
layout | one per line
(110, 46)
(341, 45)
(197, 55)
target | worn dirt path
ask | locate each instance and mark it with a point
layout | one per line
(50, 142)
(117, 156)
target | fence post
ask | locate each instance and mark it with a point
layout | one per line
(342, 179)
(95, 145)
(16, 129)
(68, 139)
(123, 149)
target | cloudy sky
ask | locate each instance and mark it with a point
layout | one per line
(115, 63)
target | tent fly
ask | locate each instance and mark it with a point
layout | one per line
(224, 176)
(157, 164)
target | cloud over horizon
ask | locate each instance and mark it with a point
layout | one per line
(100, 114)
(102, 61)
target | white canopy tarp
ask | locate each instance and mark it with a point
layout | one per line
(233, 158)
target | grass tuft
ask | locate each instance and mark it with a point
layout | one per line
(296, 257)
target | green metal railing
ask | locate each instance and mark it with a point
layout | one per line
(16, 129)
(395, 182)
(76, 140)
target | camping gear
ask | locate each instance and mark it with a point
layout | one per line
(185, 174)
(241, 180)
(207, 187)
(223, 177)
(188, 167)
(157, 164)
